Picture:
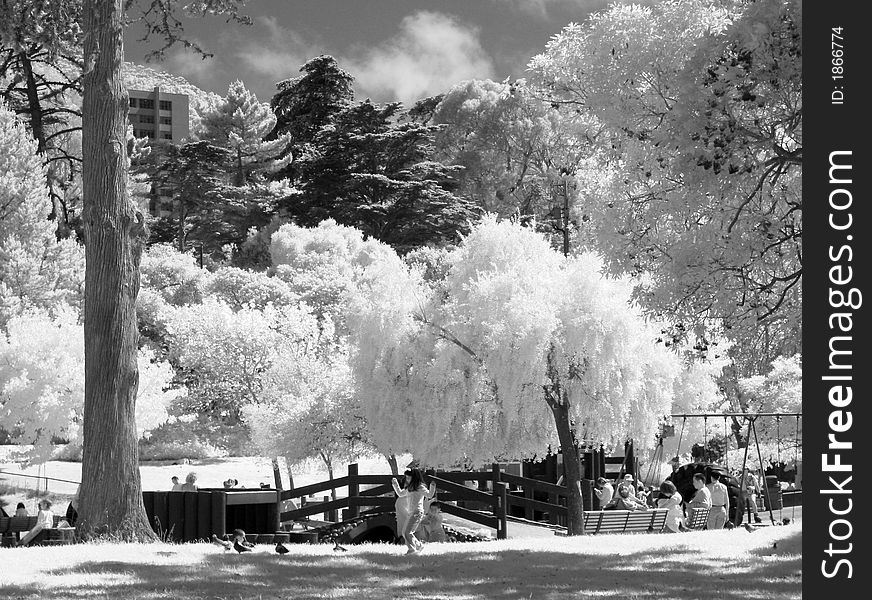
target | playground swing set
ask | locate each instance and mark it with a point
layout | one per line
(750, 419)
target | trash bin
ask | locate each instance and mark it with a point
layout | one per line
(774, 493)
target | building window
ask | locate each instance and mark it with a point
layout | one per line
(166, 120)
(146, 133)
(133, 103)
(146, 103)
(166, 135)
(166, 105)
(146, 119)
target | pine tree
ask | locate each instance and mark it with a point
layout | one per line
(369, 171)
(305, 104)
(240, 125)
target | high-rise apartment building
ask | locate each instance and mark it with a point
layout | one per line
(162, 117)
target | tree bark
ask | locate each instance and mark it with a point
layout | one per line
(572, 466)
(559, 404)
(392, 461)
(111, 492)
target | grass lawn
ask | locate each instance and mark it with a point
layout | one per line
(699, 565)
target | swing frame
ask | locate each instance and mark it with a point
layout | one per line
(750, 419)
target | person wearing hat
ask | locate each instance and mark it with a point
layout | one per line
(630, 483)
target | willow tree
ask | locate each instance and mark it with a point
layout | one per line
(115, 232)
(517, 348)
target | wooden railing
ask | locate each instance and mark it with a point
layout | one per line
(380, 498)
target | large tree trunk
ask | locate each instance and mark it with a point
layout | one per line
(111, 492)
(558, 402)
(572, 466)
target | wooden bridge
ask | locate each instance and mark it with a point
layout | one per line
(488, 498)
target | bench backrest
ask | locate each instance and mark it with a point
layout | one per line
(697, 518)
(621, 521)
(22, 524)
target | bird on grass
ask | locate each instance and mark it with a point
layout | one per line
(240, 544)
(227, 545)
(281, 548)
(338, 548)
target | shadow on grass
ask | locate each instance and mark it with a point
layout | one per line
(368, 574)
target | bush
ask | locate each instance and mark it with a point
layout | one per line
(196, 437)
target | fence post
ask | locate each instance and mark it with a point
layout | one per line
(353, 491)
(500, 509)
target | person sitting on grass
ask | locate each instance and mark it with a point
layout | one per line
(20, 510)
(625, 500)
(431, 529)
(44, 520)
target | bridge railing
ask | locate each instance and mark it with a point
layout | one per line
(379, 497)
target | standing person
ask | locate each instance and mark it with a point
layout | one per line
(604, 491)
(415, 491)
(703, 496)
(177, 487)
(44, 520)
(717, 516)
(752, 490)
(190, 484)
(671, 500)
(401, 504)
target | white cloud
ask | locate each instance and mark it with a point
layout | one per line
(191, 65)
(431, 52)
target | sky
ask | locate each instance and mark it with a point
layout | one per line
(395, 49)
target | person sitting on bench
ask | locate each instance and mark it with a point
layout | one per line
(703, 496)
(44, 520)
(624, 500)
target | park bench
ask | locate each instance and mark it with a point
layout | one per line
(625, 521)
(11, 529)
(697, 518)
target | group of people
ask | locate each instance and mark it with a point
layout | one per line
(45, 517)
(419, 515)
(190, 484)
(628, 496)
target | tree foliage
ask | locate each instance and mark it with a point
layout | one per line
(700, 104)
(239, 124)
(42, 367)
(36, 270)
(367, 171)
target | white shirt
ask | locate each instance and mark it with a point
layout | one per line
(45, 518)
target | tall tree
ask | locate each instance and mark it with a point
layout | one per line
(700, 104)
(520, 155)
(305, 104)
(368, 171)
(518, 348)
(240, 125)
(111, 493)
